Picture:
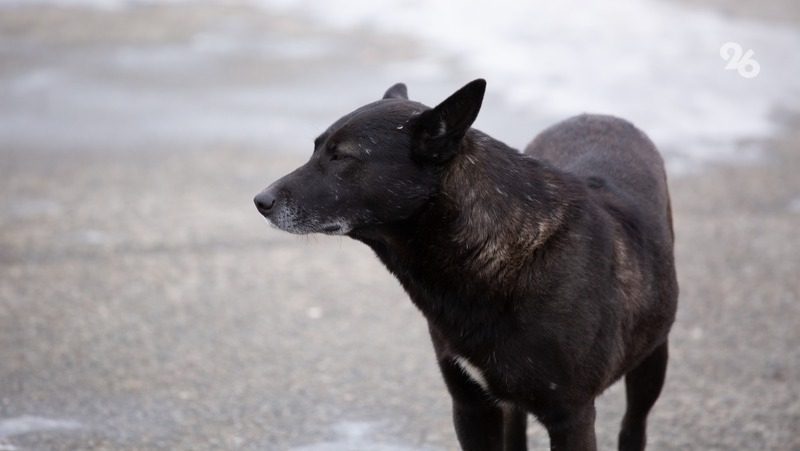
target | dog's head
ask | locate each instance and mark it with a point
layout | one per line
(377, 165)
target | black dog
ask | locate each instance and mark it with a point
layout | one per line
(544, 276)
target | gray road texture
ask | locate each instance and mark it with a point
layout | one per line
(144, 304)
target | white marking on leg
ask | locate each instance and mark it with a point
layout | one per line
(473, 372)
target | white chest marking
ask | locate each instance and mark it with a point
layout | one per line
(473, 372)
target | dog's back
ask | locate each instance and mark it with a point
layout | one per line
(612, 154)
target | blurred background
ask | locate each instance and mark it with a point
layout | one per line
(144, 303)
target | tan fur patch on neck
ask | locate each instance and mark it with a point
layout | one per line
(499, 227)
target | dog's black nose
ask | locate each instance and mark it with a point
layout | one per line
(264, 202)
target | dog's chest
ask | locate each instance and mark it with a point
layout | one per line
(474, 373)
(479, 377)
(501, 387)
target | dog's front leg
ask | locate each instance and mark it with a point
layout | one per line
(481, 423)
(572, 429)
(479, 427)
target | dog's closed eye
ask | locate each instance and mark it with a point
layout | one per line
(338, 152)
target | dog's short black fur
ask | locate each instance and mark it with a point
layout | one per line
(545, 276)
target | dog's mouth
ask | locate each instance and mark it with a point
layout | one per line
(332, 228)
(292, 219)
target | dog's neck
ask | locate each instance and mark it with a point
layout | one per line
(504, 206)
(495, 210)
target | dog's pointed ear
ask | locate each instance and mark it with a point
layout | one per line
(439, 130)
(397, 91)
